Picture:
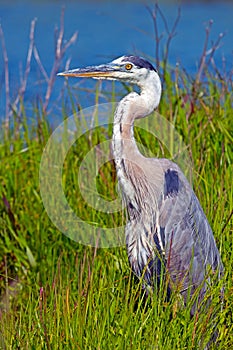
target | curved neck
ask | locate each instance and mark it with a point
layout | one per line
(131, 107)
(124, 145)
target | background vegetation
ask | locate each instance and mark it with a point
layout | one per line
(58, 294)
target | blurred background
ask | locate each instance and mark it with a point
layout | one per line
(107, 29)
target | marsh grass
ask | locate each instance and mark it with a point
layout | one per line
(58, 294)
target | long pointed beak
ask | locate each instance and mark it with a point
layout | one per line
(105, 71)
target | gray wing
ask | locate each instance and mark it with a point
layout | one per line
(190, 248)
(168, 228)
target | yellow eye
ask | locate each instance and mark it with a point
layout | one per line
(128, 66)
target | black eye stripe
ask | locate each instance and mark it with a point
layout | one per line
(139, 62)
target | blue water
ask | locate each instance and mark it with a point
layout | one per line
(108, 29)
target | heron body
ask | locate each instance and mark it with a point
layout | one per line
(167, 228)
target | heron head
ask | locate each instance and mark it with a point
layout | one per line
(132, 69)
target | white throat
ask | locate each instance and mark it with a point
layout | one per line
(131, 107)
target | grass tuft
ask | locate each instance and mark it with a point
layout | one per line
(58, 294)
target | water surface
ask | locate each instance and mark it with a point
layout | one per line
(108, 29)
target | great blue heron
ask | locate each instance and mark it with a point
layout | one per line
(166, 226)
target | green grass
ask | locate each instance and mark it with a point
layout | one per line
(58, 294)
